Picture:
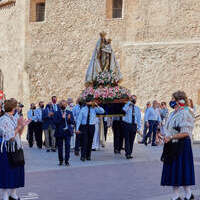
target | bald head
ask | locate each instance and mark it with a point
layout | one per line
(155, 104)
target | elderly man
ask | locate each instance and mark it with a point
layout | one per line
(64, 120)
(152, 120)
(132, 124)
(49, 127)
(148, 105)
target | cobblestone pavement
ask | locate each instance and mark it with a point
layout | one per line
(106, 177)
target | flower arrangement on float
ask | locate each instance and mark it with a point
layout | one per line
(105, 94)
(106, 78)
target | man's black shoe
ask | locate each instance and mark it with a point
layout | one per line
(129, 157)
(93, 149)
(88, 158)
(67, 163)
(61, 163)
(53, 150)
(10, 198)
(116, 152)
(154, 145)
(76, 153)
(191, 198)
(82, 159)
(48, 150)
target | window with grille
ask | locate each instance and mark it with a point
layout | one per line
(40, 12)
(117, 8)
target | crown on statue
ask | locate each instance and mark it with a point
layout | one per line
(103, 34)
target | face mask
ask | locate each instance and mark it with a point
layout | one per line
(15, 111)
(172, 104)
(133, 101)
(54, 101)
(42, 106)
(34, 107)
(62, 107)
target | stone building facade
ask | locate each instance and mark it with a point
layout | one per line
(156, 42)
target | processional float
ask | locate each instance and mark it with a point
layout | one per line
(102, 82)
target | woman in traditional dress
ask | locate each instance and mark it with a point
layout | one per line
(178, 168)
(10, 131)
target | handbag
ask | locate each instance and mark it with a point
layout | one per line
(172, 150)
(15, 158)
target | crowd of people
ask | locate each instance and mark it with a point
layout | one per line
(61, 121)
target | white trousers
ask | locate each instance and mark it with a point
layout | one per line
(96, 139)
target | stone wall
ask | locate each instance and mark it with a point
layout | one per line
(156, 42)
(12, 38)
(163, 20)
(159, 69)
(59, 49)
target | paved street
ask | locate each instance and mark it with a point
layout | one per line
(106, 177)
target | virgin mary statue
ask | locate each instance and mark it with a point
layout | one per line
(103, 59)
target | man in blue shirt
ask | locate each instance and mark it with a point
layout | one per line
(152, 120)
(145, 125)
(76, 110)
(38, 113)
(86, 120)
(132, 124)
(64, 121)
(32, 127)
(118, 134)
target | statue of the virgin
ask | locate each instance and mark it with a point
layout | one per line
(103, 59)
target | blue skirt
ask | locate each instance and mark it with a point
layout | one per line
(10, 177)
(181, 171)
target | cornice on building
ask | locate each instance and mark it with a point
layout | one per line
(4, 3)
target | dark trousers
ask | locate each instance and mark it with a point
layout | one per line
(32, 128)
(153, 126)
(105, 125)
(118, 135)
(78, 140)
(87, 136)
(144, 132)
(38, 134)
(130, 133)
(66, 141)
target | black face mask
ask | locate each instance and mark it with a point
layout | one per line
(133, 101)
(15, 112)
(34, 108)
(172, 104)
(42, 106)
(62, 107)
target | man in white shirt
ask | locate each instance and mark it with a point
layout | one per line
(152, 120)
